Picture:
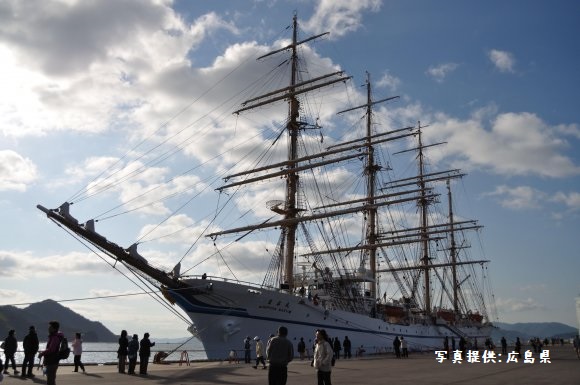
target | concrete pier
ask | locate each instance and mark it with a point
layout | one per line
(418, 369)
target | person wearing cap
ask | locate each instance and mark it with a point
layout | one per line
(259, 353)
(10, 347)
(30, 345)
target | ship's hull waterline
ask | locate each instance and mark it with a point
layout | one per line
(228, 312)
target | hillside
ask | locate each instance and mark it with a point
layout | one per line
(533, 329)
(40, 313)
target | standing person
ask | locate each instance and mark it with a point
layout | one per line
(397, 347)
(405, 348)
(323, 358)
(346, 345)
(144, 353)
(503, 346)
(337, 348)
(10, 347)
(518, 345)
(132, 353)
(462, 346)
(247, 350)
(301, 348)
(50, 354)
(259, 353)
(30, 345)
(122, 351)
(279, 353)
(77, 348)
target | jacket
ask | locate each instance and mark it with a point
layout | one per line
(323, 356)
(30, 343)
(50, 354)
(77, 347)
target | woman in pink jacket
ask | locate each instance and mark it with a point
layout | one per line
(50, 354)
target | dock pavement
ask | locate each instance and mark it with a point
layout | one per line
(563, 368)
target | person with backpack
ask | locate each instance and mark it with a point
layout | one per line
(51, 353)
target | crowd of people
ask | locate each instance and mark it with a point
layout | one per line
(278, 352)
(50, 357)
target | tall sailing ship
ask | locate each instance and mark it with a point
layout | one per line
(361, 251)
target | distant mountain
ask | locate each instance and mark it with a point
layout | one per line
(40, 313)
(533, 329)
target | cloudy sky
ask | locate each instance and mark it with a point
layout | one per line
(84, 81)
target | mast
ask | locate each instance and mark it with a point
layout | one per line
(424, 203)
(453, 250)
(293, 164)
(292, 178)
(371, 172)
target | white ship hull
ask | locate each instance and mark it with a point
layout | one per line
(225, 313)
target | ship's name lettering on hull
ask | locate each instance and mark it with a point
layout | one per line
(266, 307)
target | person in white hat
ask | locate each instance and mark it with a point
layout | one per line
(259, 353)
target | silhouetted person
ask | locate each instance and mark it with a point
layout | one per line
(247, 350)
(144, 353)
(518, 346)
(462, 346)
(50, 354)
(397, 347)
(503, 346)
(10, 347)
(279, 353)
(346, 345)
(77, 348)
(132, 352)
(301, 348)
(122, 351)
(336, 347)
(404, 348)
(30, 346)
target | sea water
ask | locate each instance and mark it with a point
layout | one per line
(103, 352)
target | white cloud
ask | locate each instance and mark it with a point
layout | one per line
(569, 129)
(504, 61)
(440, 72)
(518, 198)
(16, 171)
(84, 66)
(511, 144)
(339, 16)
(571, 200)
(389, 81)
(27, 265)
